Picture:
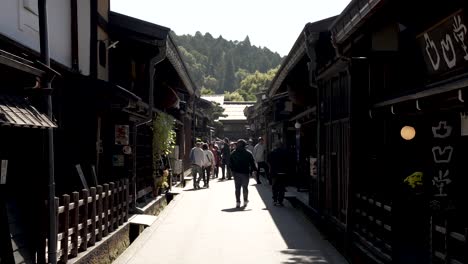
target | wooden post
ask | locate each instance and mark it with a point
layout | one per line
(127, 199)
(92, 239)
(64, 227)
(75, 220)
(106, 210)
(41, 252)
(111, 207)
(57, 201)
(119, 204)
(99, 213)
(84, 220)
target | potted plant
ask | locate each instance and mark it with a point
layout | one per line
(163, 143)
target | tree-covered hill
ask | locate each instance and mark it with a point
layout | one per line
(220, 65)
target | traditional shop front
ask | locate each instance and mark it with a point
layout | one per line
(428, 129)
(405, 200)
(23, 141)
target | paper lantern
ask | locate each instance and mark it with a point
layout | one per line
(408, 132)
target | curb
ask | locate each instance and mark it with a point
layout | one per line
(139, 242)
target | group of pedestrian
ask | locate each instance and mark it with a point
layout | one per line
(240, 160)
(206, 159)
(203, 164)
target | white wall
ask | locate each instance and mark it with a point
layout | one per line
(84, 35)
(19, 21)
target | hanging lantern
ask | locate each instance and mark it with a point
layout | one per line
(408, 132)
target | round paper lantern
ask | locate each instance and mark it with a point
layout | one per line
(408, 132)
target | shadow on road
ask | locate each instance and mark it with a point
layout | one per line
(233, 210)
(304, 256)
(305, 244)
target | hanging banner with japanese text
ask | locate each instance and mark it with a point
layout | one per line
(445, 46)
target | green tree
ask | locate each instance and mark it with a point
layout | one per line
(229, 74)
(206, 91)
(234, 96)
(228, 62)
(211, 83)
(254, 83)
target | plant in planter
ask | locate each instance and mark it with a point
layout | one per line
(163, 143)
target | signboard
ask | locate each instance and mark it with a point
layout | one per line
(445, 46)
(445, 131)
(178, 168)
(3, 173)
(313, 167)
(122, 133)
(118, 160)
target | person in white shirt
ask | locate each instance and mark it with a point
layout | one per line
(197, 159)
(259, 156)
(250, 146)
(208, 165)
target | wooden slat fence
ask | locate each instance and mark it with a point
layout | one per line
(85, 217)
(449, 238)
(373, 226)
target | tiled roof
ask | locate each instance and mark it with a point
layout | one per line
(218, 98)
(234, 111)
(17, 111)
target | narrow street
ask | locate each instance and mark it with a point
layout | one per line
(203, 226)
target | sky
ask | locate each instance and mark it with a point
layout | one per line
(274, 24)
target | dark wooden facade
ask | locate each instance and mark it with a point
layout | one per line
(387, 199)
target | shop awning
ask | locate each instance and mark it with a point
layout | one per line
(17, 111)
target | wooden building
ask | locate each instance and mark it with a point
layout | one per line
(391, 143)
(115, 73)
(291, 101)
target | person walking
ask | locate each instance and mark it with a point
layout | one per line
(242, 162)
(225, 156)
(208, 164)
(250, 146)
(279, 167)
(259, 155)
(197, 160)
(217, 160)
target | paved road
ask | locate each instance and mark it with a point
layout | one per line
(203, 226)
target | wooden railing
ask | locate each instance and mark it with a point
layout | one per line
(373, 226)
(449, 238)
(86, 217)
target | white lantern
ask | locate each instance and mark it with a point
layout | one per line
(297, 125)
(408, 132)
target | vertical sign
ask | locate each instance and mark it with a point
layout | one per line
(313, 167)
(3, 173)
(122, 133)
(443, 146)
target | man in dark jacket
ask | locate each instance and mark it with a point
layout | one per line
(278, 160)
(225, 156)
(242, 163)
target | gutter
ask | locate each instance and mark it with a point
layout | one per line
(45, 57)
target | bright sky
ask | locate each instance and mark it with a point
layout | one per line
(274, 24)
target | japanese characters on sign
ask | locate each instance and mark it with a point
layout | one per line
(122, 134)
(442, 154)
(445, 46)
